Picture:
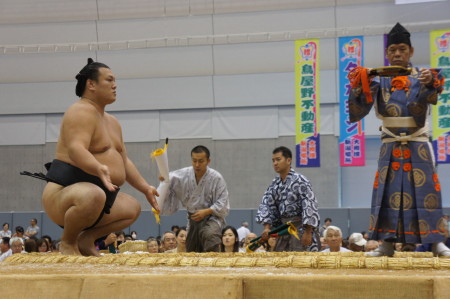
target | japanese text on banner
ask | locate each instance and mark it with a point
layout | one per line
(440, 58)
(351, 137)
(307, 103)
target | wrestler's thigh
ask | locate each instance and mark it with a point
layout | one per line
(125, 207)
(57, 199)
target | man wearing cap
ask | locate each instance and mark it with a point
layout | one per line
(356, 242)
(406, 199)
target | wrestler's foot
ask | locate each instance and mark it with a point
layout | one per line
(439, 249)
(386, 249)
(86, 245)
(68, 249)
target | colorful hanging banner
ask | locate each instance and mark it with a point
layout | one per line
(307, 103)
(351, 138)
(440, 58)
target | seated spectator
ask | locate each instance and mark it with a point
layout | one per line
(128, 238)
(153, 245)
(107, 243)
(181, 235)
(120, 238)
(271, 243)
(243, 231)
(49, 242)
(398, 247)
(230, 240)
(371, 245)
(133, 235)
(5, 248)
(19, 233)
(247, 241)
(333, 237)
(16, 244)
(168, 241)
(42, 245)
(5, 232)
(174, 228)
(30, 245)
(33, 229)
(356, 242)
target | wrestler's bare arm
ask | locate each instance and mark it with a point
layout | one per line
(133, 176)
(77, 137)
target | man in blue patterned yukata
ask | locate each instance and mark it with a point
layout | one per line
(406, 199)
(290, 198)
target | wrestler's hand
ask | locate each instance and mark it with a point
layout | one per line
(103, 174)
(151, 194)
(201, 214)
(425, 76)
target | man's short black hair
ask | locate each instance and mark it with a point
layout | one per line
(328, 219)
(284, 151)
(89, 72)
(5, 240)
(200, 149)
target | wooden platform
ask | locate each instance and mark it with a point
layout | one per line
(224, 276)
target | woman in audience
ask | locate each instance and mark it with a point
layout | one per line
(181, 239)
(333, 237)
(42, 245)
(153, 245)
(5, 232)
(230, 240)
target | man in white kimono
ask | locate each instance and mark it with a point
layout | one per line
(203, 192)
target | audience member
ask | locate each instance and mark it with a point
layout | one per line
(408, 247)
(30, 245)
(333, 237)
(128, 238)
(5, 232)
(33, 229)
(181, 235)
(327, 223)
(247, 240)
(42, 245)
(49, 242)
(230, 240)
(371, 245)
(16, 244)
(271, 243)
(153, 245)
(134, 235)
(120, 238)
(175, 228)
(5, 248)
(19, 233)
(243, 231)
(106, 242)
(168, 241)
(398, 247)
(356, 242)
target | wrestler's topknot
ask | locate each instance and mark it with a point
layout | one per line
(88, 72)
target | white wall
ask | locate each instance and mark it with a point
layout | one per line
(188, 68)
